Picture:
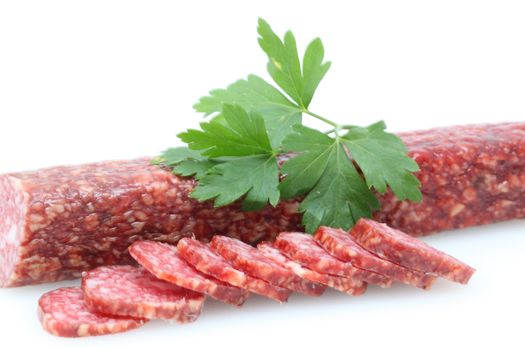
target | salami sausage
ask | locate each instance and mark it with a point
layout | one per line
(400, 248)
(470, 175)
(200, 256)
(63, 313)
(248, 259)
(131, 291)
(342, 284)
(305, 250)
(163, 261)
(57, 222)
(342, 246)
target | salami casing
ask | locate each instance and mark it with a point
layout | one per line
(57, 222)
(63, 313)
(132, 291)
(163, 261)
(400, 248)
(200, 256)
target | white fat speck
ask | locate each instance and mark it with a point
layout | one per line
(83, 330)
(10, 237)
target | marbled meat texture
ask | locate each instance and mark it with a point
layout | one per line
(303, 249)
(163, 261)
(248, 259)
(57, 222)
(342, 284)
(342, 245)
(200, 256)
(400, 248)
(132, 291)
(63, 313)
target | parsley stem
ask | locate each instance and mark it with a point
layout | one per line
(317, 116)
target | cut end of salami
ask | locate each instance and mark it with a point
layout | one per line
(163, 261)
(400, 248)
(12, 212)
(133, 291)
(63, 313)
(200, 256)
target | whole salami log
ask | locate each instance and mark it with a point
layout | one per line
(57, 222)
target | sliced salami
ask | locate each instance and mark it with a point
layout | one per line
(200, 256)
(163, 261)
(306, 251)
(63, 313)
(341, 245)
(248, 259)
(342, 284)
(133, 291)
(402, 249)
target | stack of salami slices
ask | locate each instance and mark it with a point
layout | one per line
(171, 282)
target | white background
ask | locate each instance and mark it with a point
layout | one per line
(91, 80)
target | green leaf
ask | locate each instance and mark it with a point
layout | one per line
(336, 195)
(195, 168)
(239, 134)
(255, 177)
(304, 171)
(383, 159)
(175, 155)
(284, 65)
(254, 94)
(314, 69)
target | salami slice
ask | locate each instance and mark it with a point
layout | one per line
(63, 313)
(200, 256)
(306, 251)
(341, 245)
(133, 291)
(342, 284)
(400, 248)
(163, 261)
(248, 259)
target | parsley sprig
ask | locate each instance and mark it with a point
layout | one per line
(234, 156)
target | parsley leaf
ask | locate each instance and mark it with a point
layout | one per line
(284, 65)
(383, 159)
(184, 161)
(234, 155)
(337, 195)
(257, 177)
(175, 155)
(240, 134)
(195, 168)
(241, 160)
(256, 95)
